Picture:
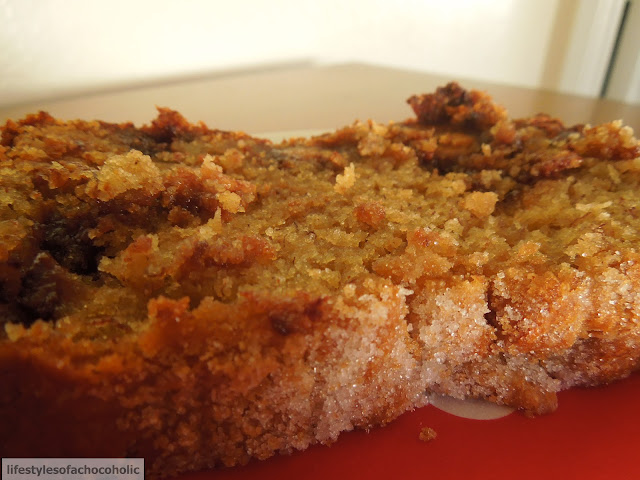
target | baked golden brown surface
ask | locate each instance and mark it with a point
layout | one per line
(200, 297)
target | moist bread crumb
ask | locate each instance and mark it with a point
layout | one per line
(427, 434)
(201, 298)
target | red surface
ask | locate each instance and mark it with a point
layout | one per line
(594, 434)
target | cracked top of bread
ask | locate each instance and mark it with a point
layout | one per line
(211, 297)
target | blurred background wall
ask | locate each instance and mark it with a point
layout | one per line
(57, 48)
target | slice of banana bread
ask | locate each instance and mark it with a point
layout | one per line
(200, 297)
